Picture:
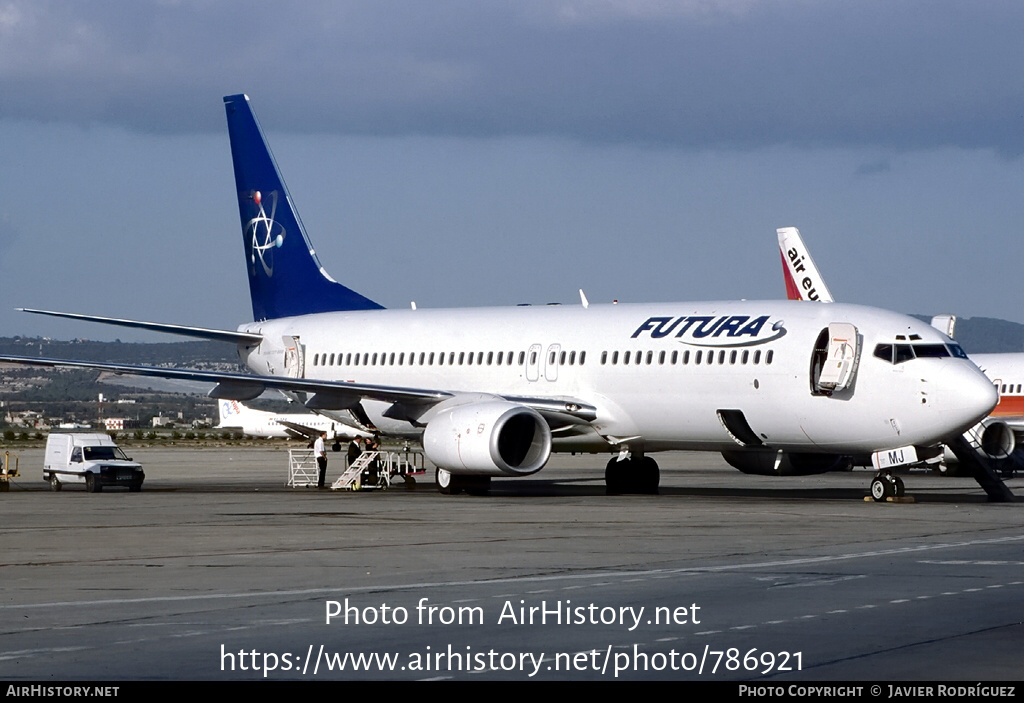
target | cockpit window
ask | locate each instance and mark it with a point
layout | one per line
(904, 352)
(899, 353)
(931, 350)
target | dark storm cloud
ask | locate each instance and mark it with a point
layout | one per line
(694, 74)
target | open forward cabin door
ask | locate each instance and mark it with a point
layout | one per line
(834, 363)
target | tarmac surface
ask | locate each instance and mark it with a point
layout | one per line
(218, 571)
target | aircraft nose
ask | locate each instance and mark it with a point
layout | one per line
(971, 395)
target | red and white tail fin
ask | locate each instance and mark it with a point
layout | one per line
(803, 281)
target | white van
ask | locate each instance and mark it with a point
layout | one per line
(91, 458)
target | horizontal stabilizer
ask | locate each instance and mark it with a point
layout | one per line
(232, 337)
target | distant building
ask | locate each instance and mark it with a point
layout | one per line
(26, 418)
(118, 423)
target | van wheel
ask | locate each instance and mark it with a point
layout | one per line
(135, 487)
(54, 483)
(91, 484)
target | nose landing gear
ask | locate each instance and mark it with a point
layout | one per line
(885, 485)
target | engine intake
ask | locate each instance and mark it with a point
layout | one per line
(998, 440)
(495, 438)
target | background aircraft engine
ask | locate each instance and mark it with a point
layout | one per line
(488, 439)
(773, 463)
(998, 440)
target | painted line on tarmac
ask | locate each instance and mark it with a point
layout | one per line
(520, 579)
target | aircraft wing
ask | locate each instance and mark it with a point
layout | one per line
(407, 403)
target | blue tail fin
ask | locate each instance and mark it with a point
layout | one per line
(285, 277)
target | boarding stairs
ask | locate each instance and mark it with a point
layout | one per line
(967, 448)
(302, 469)
(371, 469)
(351, 477)
(377, 469)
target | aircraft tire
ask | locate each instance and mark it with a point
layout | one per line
(613, 483)
(476, 485)
(880, 488)
(900, 489)
(447, 482)
(649, 476)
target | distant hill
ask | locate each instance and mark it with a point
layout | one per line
(72, 394)
(978, 335)
(187, 354)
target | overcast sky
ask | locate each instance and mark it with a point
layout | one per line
(493, 153)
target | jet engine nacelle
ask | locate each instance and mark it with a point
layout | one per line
(494, 438)
(998, 440)
(775, 463)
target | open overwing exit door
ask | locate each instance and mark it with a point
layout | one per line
(294, 358)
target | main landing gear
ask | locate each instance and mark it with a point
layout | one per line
(450, 484)
(886, 485)
(637, 474)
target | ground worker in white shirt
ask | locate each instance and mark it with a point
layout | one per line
(320, 452)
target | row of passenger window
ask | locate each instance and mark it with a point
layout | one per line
(1009, 389)
(562, 358)
(422, 359)
(701, 356)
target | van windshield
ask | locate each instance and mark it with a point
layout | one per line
(101, 453)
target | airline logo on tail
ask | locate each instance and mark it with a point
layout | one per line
(267, 234)
(803, 282)
(229, 408)
(285, 276)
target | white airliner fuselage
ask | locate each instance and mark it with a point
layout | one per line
(1006, 370)
(654, 383)
(260, 423)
